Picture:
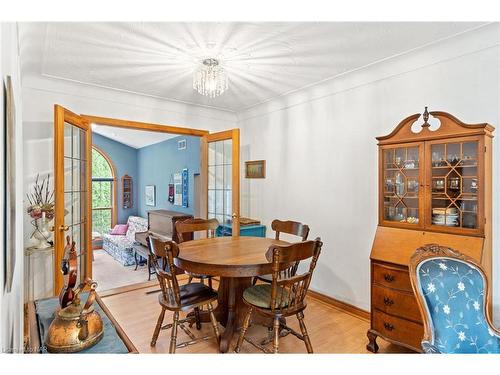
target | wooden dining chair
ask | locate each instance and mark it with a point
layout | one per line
(190, 226)
(176, 298)
(289, 227)
(285, 296)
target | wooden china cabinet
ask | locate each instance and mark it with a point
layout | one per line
(434, 187)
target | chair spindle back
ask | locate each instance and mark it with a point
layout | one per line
(290, 227)
(209, 226)
(166, 251)
(289, 290)
(294, 228)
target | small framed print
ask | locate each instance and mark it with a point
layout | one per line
(181, 144)
(150, 195)
(255, 169)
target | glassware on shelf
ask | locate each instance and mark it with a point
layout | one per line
(400, 186)
(438, 185)
(454, 183)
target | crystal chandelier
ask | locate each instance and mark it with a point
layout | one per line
(210, 79)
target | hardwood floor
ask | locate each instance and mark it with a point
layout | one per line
(331, 329)
(111, 274)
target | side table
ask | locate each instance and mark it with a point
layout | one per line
(39, 314)
(38, 273)
(142, 252)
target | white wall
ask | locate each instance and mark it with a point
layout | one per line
(321, 152)
(11, 304)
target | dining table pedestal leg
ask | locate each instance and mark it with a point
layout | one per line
(231, 309)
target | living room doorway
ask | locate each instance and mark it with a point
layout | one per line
(73, 142)
(137, 173)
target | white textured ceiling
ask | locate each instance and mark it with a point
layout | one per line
(263, 60)
(131, 137)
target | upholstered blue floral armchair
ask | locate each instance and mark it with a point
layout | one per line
(452, 293)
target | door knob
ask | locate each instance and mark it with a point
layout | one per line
(234, 216)
(63, 228)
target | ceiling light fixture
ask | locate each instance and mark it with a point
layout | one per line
(210, 79)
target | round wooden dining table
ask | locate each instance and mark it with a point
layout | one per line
(236, 260)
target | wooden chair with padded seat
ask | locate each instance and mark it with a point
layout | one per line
(178, 298)
(209, 226)
(289, 227)
(285, 296)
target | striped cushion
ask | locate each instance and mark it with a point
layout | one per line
(260, 296)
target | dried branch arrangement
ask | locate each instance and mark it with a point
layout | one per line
(41, 199)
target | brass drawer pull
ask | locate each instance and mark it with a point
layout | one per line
(388, 301)
(388, 326)
(389, 278)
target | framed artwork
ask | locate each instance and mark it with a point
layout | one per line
(255, 169)
(150, 195)
(177, 189)
(9, 184)
(181, 145)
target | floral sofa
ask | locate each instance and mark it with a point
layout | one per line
(120, 247)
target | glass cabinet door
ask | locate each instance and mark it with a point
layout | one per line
(401, 184)
(454, 184)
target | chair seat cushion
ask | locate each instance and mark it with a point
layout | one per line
(191, 294)
(260, 296)
(266, 278)
(197, 275)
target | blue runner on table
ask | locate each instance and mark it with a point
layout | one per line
(110, 342)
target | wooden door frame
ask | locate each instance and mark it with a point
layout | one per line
(144, 126)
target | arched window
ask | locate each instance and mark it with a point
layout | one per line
(103, 193)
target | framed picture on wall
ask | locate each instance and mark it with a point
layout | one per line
(255, 169)
(150, 195)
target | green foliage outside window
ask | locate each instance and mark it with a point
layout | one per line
(102, 193)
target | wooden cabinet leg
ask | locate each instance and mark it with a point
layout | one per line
(372, 342)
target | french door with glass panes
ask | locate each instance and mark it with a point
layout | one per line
(223, 171)
(72, 171)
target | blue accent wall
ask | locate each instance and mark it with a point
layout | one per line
(124, 159)
(156, 165)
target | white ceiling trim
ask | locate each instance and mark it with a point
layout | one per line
(265, 61)
(471, 41)
(404, 53)
(79, 90)
(137, 93)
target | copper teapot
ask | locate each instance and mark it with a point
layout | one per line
(74, 327)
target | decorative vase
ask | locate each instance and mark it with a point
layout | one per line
(41, 234)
